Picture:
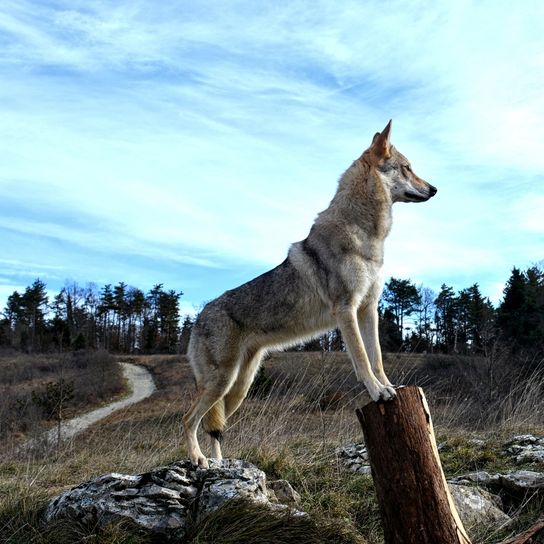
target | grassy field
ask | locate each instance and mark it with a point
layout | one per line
(37, 390)
(300, 410)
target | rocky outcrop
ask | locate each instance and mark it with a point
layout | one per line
(472, 493)
(477, 507)
(524, 481)
(519, 482)
(162, 500)
(284, 492)
(526, 448)
(354, 457)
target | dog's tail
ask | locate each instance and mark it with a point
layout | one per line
(214, 420)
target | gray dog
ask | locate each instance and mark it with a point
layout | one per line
(331, 279)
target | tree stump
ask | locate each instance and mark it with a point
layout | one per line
(415, 503)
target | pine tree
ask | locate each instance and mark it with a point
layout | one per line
(401, 298)
(445, 319)
(521, 313)
(34, 302)
(424, 321)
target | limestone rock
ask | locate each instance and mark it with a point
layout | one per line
(231, 479)
(481, 477)
(477, 442)
(284, 492)
(354, 457)
(522, 481)
(519, 482)
(526, 448)
(524, 440)
(478, 507)
(160, 501)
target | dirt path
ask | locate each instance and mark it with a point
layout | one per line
(142, 385)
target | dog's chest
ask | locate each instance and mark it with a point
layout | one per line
(362, 277)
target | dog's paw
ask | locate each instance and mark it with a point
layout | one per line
(379, 392)
(199, 461)
(388, 393)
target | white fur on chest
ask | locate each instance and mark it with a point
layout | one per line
(362, 277)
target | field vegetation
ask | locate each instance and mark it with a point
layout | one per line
(38, 390)
(298, 412)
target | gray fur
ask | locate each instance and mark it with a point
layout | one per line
(333, 278)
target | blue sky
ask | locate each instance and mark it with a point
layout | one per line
(189, 143)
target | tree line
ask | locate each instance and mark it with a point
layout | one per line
(118, 318)
(416, 319)
(125, 319)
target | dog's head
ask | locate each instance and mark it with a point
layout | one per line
(395, 171)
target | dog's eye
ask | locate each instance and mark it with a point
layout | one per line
(407, 167)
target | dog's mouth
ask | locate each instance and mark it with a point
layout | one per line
(412, 196)
(416, 197)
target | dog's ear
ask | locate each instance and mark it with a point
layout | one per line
(381, 144)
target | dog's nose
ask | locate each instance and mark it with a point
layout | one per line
(433, 190)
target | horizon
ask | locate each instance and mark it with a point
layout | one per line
(191, 145)
(193, 310)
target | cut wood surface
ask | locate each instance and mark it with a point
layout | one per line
(415, 503)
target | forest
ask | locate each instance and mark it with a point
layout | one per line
(124, 319)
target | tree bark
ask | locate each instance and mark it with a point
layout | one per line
(415, 503)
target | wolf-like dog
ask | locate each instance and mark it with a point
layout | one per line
(333, 278)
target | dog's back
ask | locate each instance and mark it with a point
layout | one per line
(332, 278)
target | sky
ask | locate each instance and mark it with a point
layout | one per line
(190, 143)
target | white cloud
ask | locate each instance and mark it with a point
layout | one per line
(529, 216)
(211, 132)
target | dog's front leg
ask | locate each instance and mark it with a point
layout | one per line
(368, 325)
(347, 323)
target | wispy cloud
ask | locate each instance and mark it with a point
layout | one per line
(209, 135)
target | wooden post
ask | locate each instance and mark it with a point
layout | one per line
(415, 502)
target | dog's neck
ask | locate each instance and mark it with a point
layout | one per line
(361, 199)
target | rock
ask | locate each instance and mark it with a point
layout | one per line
(354, 457)
(231, 479)
(112, 497)
(481, 477)
(284, 492)
(478, 507)
(514, 485)
(519, 481)
(160, 501)
(533, 454)
(526, 448)
(352, 451)
(476, 442)
(524, 440)
(523, 481)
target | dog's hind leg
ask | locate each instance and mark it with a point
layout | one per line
(213, 423)
(239, 389)
(215, 364)
(208, 401)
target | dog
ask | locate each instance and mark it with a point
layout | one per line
(333, 278)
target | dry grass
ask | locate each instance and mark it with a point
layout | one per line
(290, 429)
(92, 377)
